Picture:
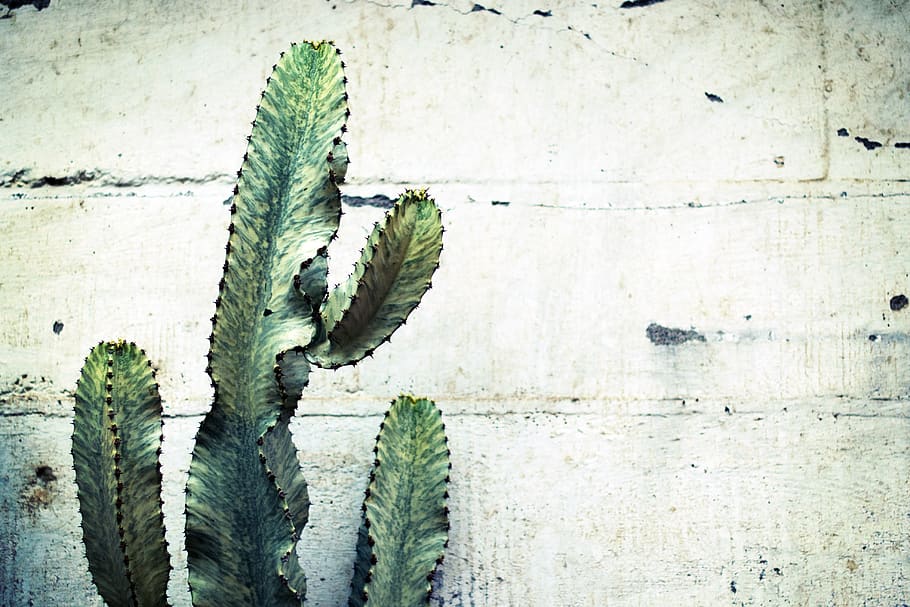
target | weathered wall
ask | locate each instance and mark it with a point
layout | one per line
(608, 173)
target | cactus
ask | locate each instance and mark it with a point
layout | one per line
(116, 443)
(275, 316)
(405, 518)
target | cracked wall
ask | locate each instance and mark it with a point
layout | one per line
(670, 328)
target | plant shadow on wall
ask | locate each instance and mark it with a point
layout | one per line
(246, 498)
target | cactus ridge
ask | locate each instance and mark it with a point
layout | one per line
(116, 448)
(405, 517)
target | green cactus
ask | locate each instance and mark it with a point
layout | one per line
(275, 316)
(116, 443)
(405, 518)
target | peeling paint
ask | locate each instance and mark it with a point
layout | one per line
(478, 8)
(25, 389)
(869, 144)
(639, 3)
(713, 98)
(12, 5)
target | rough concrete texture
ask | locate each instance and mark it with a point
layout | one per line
(663, 333)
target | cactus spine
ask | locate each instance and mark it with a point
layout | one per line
(247, 501)
(116, 443)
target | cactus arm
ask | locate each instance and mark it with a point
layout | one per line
(406, 525)
(116, 443)
(388, 282)
(246, 497)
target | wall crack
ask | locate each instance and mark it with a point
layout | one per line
(532, 20)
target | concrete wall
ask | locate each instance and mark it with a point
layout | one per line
(610, 173)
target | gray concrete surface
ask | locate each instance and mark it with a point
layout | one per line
(662, 333)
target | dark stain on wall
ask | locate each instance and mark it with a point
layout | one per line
(713, 98)
(45, 473)
(898, 302)
(39, 490)
(22, 178)
(666, 336)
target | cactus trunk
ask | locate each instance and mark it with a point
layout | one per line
(246, 497)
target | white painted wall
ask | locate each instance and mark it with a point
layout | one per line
(590, 188)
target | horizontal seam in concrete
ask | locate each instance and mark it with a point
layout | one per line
(506, 414)
(604, 408)
(360, 200)
(9, 181)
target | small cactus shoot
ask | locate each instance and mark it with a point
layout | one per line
(116, 443)
(405, 517)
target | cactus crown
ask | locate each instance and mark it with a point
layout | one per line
(246, 498)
